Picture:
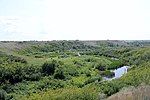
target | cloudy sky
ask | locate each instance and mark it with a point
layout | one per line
(74, 19)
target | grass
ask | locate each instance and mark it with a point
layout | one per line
(132, 93)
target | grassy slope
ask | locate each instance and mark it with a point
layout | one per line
(12, 48)
(131, 93)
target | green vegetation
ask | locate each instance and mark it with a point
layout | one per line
(70, 70)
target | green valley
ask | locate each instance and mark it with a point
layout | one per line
(71, 70)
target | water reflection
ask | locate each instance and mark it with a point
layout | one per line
(118, 72)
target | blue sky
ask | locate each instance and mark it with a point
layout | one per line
(74, 19)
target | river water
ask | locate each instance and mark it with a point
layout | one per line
(118, 72)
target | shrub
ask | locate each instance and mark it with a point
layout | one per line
(93, 79)
(12, 58)
(88, 73)
(72, 71)
(107, 73)
(48, 68)
(32, 73)
(35, 76)
(3, 95)
(110, 88)
(100, 66)
(59, 74)
(115, 64)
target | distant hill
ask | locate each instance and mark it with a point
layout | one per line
(73, 44)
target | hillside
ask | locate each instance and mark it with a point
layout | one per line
(72, 70)
(132, 93)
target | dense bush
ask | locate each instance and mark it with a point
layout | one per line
(70, 70)
(115, 64)
(12, 58)
(93, 79)
(49, 67)
(137, 56)
(12, 74)
(17, 72)
(72, 93)
(3, 95)
(100, 66)
(107, 74)
(59, 74)
(110, 88)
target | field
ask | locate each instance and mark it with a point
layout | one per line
(73, 70)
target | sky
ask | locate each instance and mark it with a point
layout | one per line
(22, 20)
